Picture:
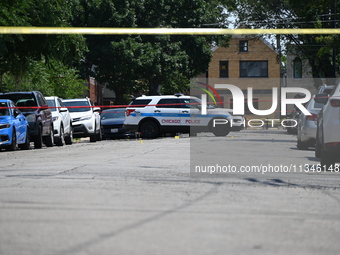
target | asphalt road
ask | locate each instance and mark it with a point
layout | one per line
(144, 197)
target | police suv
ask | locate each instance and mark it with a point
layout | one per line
(155, 115)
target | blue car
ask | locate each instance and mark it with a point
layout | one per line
(112, 122)
(13, 127)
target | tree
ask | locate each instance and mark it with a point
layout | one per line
(55, 79)
(129, 64)
(18, 51)
(111, 59)
(320, 50)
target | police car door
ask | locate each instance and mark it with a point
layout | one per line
(185, 110)
(191, 113)
(193, 118)
(167, 113)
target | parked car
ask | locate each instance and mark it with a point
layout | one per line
(85, 118)
(155, 115)
(325, 89)
(328, 129)
(13, 127)
(62, 122)
(306, 128)
(38, 115)
(112, 121)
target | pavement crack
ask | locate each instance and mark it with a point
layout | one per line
(105, 236)
(70, 170)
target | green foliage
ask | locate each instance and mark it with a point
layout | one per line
(17, 51)
(124, 63)
(55, 79)
(318, 49)
(142, 64)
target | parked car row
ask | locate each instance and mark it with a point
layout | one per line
(321, 129)
(297, 117)
(30, 117)
(52, 120)
(327, 146)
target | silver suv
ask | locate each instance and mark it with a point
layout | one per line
(155, 115)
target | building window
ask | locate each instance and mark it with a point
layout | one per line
(297, 68)
(224, 69)
(243, 46)
(253, 68)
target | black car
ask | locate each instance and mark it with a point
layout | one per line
(38, 115)
(112, 121)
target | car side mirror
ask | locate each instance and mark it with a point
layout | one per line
(63, 109)
(321, 98)
(96, 109)
(16, 113)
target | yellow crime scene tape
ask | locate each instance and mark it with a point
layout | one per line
(155, 31)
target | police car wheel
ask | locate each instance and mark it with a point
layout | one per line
(149, 129)
(220, 130)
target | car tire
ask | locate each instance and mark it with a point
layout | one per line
(61, 139)
(99, 135)
(49, 140)
(69, 137)
(193, 134)
(38, 139)
(149, 129)
(220, 130)
(27, 144)
(14, 141)
(317, 148)
(93, 137)
(327, 160)
(302, 145)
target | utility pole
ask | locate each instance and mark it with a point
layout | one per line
(334, 48)
(278, 46)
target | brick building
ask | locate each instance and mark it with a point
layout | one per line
(246, 62)
(95, 92)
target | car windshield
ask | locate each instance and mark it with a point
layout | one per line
(318, 105)
(77, 106)
(4, 109)
(114, 114)
(24, 101)
(51, 104)
(314, 105)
